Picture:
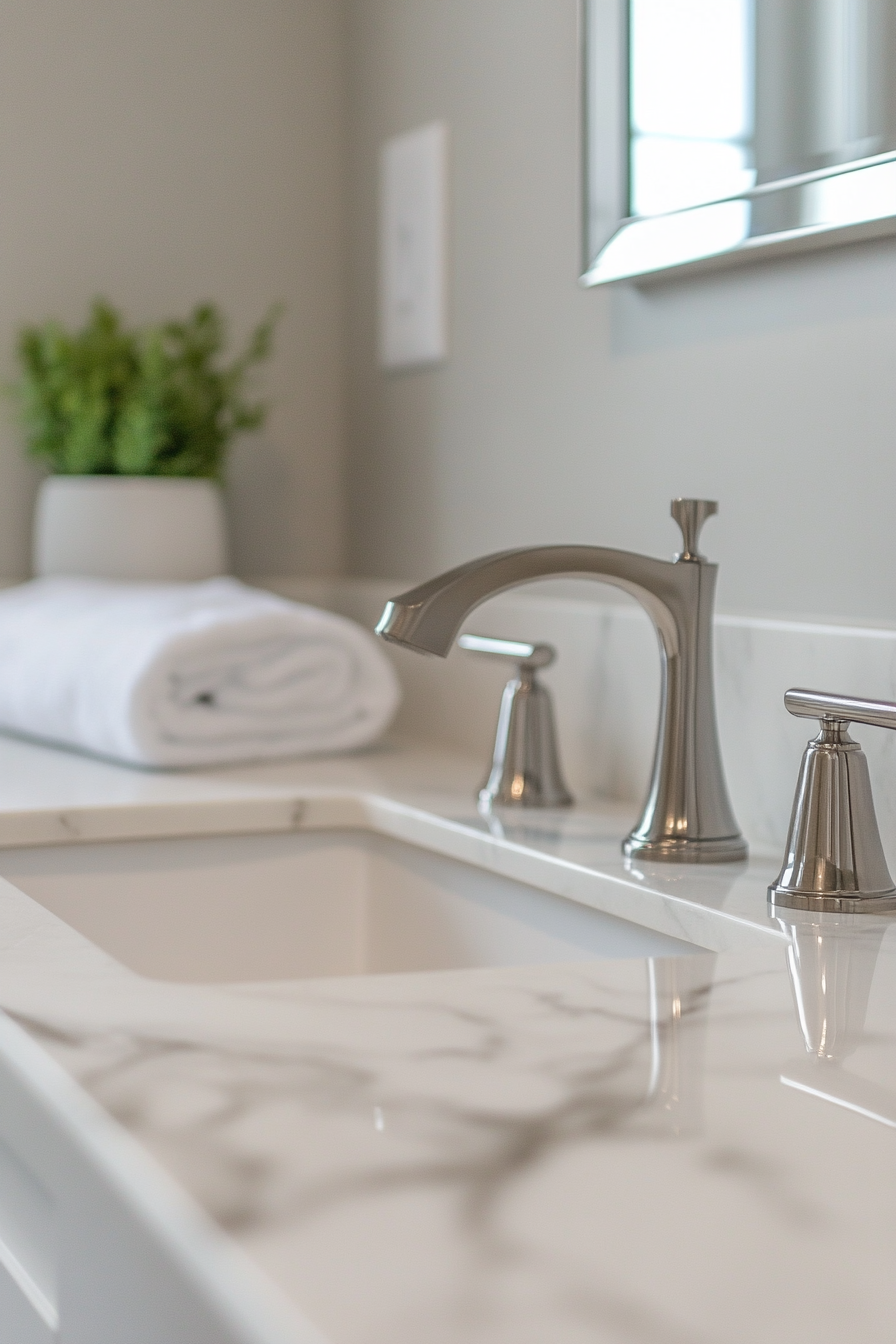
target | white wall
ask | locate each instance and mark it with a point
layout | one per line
(567, 415)
(160, 152)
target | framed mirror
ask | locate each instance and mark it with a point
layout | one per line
(720, 130)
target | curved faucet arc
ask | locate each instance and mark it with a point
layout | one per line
(429, 617)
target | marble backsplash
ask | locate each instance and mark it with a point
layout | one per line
(605, 685)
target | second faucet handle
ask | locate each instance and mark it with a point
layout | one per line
(525, 769)
(834, 859)
(690, 515)
(828, 707)
(531, 657)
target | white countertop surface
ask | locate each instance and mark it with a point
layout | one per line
(523, 1154)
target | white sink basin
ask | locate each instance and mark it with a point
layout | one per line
(327, 903)
(227, 908)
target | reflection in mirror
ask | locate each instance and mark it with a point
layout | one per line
(716, 128)
(690, 103)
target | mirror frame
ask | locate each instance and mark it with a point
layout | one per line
(605, 115)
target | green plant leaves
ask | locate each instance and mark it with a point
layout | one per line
(147, 402)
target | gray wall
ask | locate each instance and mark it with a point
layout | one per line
(160, 151)
(568, 415)
(164, 151)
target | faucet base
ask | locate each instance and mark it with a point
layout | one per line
(724, 849)
(852, 902)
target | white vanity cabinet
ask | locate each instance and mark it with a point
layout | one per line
(94, 1249)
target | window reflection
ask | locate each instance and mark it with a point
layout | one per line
(691, 102)
(743, 123)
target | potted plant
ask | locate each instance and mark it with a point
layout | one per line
(135, 425)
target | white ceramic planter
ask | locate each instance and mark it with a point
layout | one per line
(130, 527)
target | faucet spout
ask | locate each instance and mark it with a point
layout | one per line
(428, 618)
(687, 817)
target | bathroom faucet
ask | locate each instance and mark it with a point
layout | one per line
(687, 817)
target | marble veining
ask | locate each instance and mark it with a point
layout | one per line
(697, 1150)
(602, 1152)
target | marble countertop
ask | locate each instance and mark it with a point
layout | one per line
(681, 1151)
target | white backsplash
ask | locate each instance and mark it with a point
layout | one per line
(605, 685)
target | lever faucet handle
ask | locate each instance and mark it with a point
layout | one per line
(834, 859)
(830, 708)
(690, 515)
(525, 769)
(530, 657)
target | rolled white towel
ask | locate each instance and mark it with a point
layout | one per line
(182, 674)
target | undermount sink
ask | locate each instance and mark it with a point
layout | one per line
(326, 903)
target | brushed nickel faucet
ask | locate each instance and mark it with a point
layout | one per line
(525, 769)
(687, 817)
(834, 859)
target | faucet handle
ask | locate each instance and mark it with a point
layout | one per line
(690, 515)
(830, 708)
(530, 657)
(834, 859)
(525, 769)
